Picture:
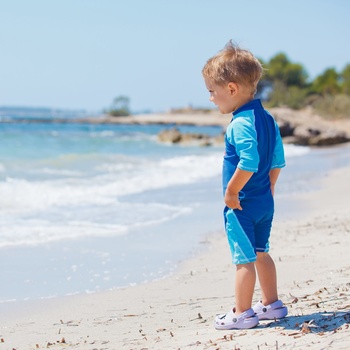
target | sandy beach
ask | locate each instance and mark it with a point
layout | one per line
(177, 312)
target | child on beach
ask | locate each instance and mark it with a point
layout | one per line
(253, 160)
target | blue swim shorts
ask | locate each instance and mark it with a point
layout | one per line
(248, 230)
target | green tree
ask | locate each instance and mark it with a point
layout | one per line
(276, 67)
(285, 82)
(345, 80)
(120, 107)
(327, 83)
(295, 75)
(282, 70)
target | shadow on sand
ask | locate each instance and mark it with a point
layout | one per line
(318, 322)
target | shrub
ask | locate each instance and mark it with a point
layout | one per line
(329, 106)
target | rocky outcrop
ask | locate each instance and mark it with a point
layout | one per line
(301, 127)
(174, 135)
(305, 128)
(297, 127)
(310, 136)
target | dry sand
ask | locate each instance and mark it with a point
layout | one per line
(312, 258)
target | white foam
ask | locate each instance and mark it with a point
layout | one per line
(114, 179)
(74, 222)
(79, 204)
(34, 233)
(295, 150)
(118, 180)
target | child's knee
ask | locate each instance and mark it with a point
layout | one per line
(260, 256)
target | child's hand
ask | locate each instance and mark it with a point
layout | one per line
(237, 182)
(232, 200)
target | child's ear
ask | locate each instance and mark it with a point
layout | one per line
(233, 87)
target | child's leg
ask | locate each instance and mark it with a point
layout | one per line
(245, 283)
(266, 269)
(240, 234)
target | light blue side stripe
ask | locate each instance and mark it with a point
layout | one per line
(241, 249)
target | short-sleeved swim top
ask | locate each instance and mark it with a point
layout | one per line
(252, 143)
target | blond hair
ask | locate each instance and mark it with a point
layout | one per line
(233, 64)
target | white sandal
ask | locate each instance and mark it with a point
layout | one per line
(270, 312)
(245, 320)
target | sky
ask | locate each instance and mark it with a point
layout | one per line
(81, 54)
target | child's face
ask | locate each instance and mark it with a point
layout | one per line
(222, 96)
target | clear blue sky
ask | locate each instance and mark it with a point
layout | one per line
(80, 54)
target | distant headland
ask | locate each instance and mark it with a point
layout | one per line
(301, 127)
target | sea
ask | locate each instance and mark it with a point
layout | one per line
(93, 207)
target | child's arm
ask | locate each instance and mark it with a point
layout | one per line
(237, 182)
(274, 173)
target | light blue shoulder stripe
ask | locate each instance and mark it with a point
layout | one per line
(242, 135)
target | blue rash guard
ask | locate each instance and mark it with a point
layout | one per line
(252, 143)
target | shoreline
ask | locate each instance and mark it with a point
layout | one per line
(196, 118)
(90, 264)
(177, 312)
(300, 127)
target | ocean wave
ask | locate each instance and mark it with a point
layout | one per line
(89, 199)
(107, 182)
(71, 223)
(295, 150)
